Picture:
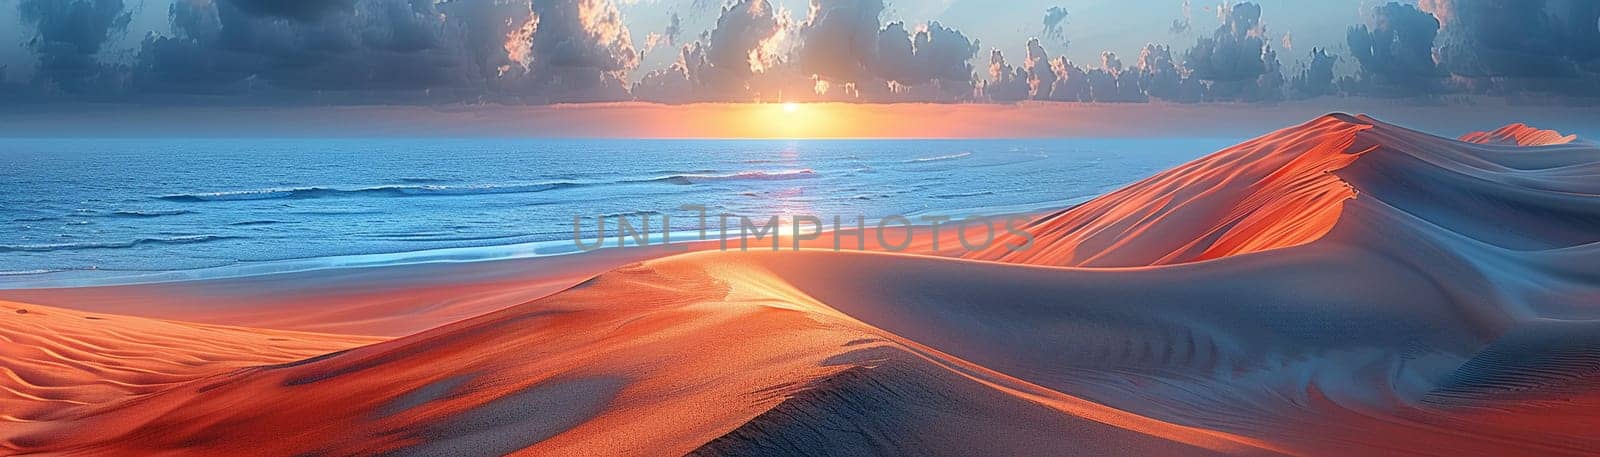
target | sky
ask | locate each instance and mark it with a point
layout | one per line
(537, 52)
(1095, 25)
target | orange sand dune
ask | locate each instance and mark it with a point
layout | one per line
(380, 301)
(1289, 188)
(61, 363)
(1519, 135)
(661, 357)
(1340, 287)
(1271, 192)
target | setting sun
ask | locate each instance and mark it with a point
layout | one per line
(791, 107)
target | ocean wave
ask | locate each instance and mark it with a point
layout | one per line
(255, 222)
(444, 237)
(26, 272)
(240, 195)
(51, 247)
(483, 189)
(149, 213)
(630, 214)
(688, 179)
(956, 156)
(382, 191)
(35, 219)
(964, 194)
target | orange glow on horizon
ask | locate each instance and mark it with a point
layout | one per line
(785, 120)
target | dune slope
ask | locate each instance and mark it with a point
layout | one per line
(60, 363)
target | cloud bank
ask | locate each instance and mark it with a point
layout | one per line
(561, 51)
(67, 35)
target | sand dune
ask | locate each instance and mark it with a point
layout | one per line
(62, 364)
(1519, 135)
(1271, 192)
(1341, 287)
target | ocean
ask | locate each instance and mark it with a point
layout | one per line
(108, 211)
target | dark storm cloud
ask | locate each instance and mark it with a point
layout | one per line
(1396, 52)
(304, 10)
(220, 47)
(1236, 61)
(536, 51)
(580, 51)
(936, 66)
(1525, 45)
(67, 34)
(1316, 78)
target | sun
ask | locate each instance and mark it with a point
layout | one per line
(791, 107)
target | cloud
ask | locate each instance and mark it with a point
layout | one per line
(1113, 83)
(579, 51)
(1054, 18)
(519, 51)
(730, 63)
(223, 47)
(667, 85)
(553, 51)
(1041, 79)
(667, 37)
(1396, 52)
(931, 64)
(1526, 45)
(1160, 76)
(840, 52)
(67, 36)
(1006, 83)
(1181, 25)
(839, 40)
(1316, 78)
(1236, 62)
(1071, 84)
(302, 10)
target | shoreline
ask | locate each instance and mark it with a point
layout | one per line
(67, 279)
(400, 298)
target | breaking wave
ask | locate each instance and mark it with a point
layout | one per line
(942, 158)
(687, 179)
(384, 191)
(51, 247)
(485, 189)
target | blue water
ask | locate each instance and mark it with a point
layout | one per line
(116, 210)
